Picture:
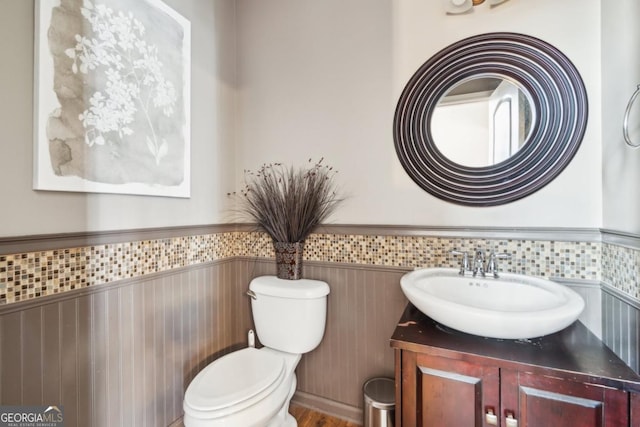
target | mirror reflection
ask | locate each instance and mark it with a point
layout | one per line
(482, 121)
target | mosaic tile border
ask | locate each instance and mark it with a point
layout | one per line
(572, 260)
(578, 260)
(25, 276)
(34, 274)
(621, 268)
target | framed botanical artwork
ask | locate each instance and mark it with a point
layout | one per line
(112, 97)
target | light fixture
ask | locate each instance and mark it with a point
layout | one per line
(457, 7)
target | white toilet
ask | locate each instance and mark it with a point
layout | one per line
(251, 387)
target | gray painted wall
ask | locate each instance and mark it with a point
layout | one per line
(621, 326)
(122, 354)
(620, 76)
(213, 86)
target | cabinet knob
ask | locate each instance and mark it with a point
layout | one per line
(491, 418)
(511, 421)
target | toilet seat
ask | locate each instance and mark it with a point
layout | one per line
(234, 382)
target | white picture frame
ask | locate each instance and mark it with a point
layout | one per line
(112, 85)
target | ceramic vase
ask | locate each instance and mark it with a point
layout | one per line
(289, 259)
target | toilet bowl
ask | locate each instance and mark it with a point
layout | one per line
(253, 387)
(248, 387)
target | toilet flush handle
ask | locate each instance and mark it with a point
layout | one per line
(252, 294)
(251, 338)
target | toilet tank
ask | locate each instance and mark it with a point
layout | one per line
(289, 315)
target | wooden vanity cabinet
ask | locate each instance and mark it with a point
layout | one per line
(448, 378)
(438, 391)
(551, 401)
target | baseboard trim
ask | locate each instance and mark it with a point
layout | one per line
(328, 406)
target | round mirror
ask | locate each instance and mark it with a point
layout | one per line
(490, 119)
(482, 121)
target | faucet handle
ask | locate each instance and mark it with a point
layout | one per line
(464, 263)
(492, 264)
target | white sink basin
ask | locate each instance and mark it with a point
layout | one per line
(512, 307)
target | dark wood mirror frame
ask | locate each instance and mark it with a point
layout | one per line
(559, 100)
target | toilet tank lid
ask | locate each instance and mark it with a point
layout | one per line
(297, 289)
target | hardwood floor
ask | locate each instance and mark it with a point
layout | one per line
(308, 418)
(305, 417)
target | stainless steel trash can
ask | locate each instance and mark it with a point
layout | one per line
(379, 402)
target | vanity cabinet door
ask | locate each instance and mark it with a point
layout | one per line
(438, 391)
(543, 401)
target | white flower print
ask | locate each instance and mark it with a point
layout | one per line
(134, 81)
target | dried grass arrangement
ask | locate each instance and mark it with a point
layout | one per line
(289, 203)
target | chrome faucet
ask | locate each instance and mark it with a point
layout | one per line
(480, 266)
(492, 263)
(478, 263)
(464, 264)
